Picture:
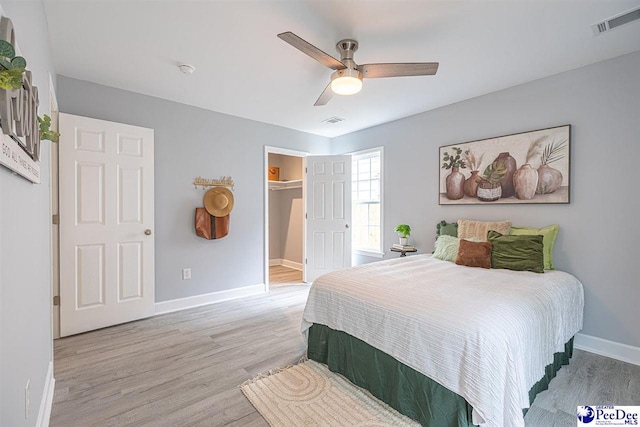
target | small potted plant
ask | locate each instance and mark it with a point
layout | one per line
(404, 231)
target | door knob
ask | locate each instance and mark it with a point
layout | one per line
(147, 232)
(346, 226)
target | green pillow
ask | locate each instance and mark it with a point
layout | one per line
(520, 253)
(447, 229)
(548, 234)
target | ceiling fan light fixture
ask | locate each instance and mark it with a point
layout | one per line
(346, 85)
(347, 76)
(347, 81)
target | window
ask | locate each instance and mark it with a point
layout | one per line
(367, 201)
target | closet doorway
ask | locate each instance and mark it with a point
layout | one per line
(284, 216)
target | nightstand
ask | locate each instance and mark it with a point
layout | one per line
(403, 252)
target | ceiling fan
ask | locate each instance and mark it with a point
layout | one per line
(347, 76)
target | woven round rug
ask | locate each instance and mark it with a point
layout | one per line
(309, 394)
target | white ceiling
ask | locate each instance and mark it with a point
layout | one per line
(243, 69)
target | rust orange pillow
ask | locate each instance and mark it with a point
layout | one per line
(474, 254)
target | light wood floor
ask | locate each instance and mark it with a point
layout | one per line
(184, 368)
(279, 274)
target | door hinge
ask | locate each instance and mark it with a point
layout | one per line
(55, 219)
(56, 300)
(306, 261)
(305, 170)
(305, 216)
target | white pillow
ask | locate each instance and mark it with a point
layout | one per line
(447, 247)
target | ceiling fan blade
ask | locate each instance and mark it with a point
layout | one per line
(306, 47)
(325, 96)
(375, 71)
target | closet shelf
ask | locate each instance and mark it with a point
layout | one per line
(285, 185)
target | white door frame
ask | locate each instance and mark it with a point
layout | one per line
(55, 230)
(287, 152)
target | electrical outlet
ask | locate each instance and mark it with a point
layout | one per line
(27, 399)
(186, 273)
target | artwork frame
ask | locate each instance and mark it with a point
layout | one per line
(531, 167)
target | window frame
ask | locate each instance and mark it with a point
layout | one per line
(368, 252)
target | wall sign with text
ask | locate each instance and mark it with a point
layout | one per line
(20, 137)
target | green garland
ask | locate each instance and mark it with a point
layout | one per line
(45, 131)
(11, 67)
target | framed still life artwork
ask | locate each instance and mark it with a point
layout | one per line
(528, 167)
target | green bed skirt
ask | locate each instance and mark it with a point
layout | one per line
(403, 388)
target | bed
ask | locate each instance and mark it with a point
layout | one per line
(445, 344)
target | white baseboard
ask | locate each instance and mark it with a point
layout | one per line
(170, 306)
(47, 399)
(612, 349)
(292, 264)
(285, 263)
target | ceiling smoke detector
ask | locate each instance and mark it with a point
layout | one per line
(187, 68)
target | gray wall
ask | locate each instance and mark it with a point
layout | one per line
(192, 142)
(286, 212)
(286, 224)
(25, 245)
(599, 230)
(275, 225)
(290, 166)
(292, 214)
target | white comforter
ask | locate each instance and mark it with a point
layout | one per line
(486, 335)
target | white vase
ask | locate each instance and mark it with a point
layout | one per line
(525, 181)
(404, 241)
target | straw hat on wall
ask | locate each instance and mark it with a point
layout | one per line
(218, 201)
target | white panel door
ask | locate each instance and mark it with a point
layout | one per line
(328, 214)
(106, 224)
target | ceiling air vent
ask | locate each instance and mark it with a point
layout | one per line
(615, 21)
(332, 120)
